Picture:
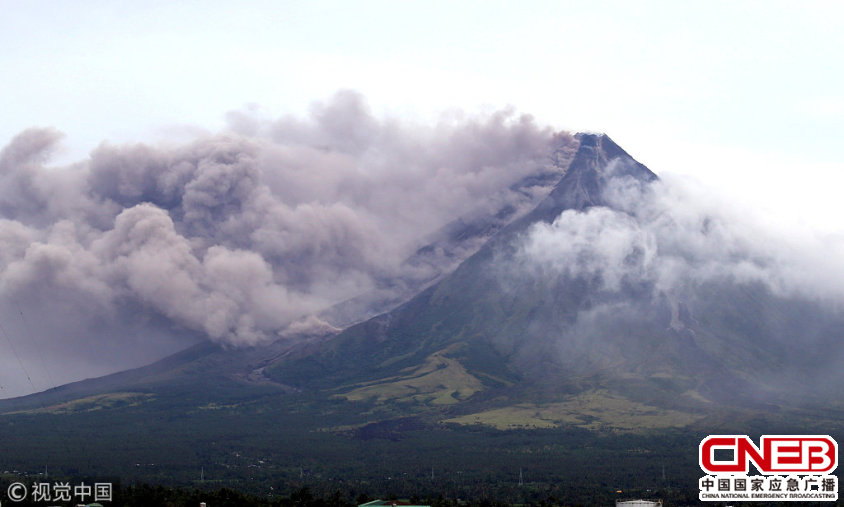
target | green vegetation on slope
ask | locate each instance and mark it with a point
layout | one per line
(592, 410)
(439, 380)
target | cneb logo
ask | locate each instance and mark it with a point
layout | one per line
(776, 454)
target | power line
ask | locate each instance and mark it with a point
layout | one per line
(33, 337)
(17, 356)
(36, 395)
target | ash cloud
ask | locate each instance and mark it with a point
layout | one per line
(232, 237)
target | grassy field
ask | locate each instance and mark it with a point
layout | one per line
(440, 380)
(591, 410)
(93, 403)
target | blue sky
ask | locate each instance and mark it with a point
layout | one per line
(745, 96)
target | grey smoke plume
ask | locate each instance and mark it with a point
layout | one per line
(234, 236)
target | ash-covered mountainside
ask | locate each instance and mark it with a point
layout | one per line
(597, 161)
(594, 291)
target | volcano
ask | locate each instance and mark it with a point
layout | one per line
(502, 342)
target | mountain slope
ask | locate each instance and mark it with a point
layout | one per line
(550, 339)
(469, 307)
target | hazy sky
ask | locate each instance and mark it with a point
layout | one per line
(746, 96)
(321, 202)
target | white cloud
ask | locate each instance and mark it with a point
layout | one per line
(677, 234)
